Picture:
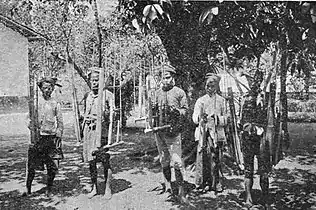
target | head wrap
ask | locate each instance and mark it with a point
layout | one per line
(94, 70)
(169, 68)
(50, 80)
(213, 77)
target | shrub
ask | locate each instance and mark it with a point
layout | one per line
(301, 106)
(301, 117)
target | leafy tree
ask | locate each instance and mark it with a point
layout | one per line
(193, 32)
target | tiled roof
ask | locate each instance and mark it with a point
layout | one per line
(27, 32)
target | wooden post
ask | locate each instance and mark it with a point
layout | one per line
(33, 108)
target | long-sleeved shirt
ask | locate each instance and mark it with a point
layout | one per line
(50, 117)
(91, 105)
(214, 105)
(90, 141)
(175, 97)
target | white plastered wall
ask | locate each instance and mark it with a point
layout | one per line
(13, 63)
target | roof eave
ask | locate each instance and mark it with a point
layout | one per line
(27, 32)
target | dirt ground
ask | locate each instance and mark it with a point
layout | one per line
(293, 181)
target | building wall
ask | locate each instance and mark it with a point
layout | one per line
(13, 63)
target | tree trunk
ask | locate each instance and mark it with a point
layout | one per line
(187, 50)
(283, 100)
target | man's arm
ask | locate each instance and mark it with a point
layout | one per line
(196, 112)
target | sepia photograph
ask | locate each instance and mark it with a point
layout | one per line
(157, 105)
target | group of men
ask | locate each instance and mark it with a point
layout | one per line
(211, 116)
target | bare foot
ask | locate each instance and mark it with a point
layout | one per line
(48, 193)
(93, 192)
(108, 194)
(206, 189)
(219, 187)
(184, 200)
(26, 194)
(248, 203)
(168, 188)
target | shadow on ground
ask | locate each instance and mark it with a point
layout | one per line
(291, 188)
(73, 176)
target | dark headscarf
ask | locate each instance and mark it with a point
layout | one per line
(50, 80)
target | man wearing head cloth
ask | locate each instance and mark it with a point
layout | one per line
(47, 149)
(173, 105)
(211, 110)
(90, 142)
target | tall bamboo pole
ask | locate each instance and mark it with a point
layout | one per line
(134, 88)
(119, 124)
(99, 35)
(101, 95)
(140, 90)
(111, 109)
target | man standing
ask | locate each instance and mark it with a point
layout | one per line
(210, 112)
(253, 122)
(48, 146)
(173, 105)
(93, 148)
